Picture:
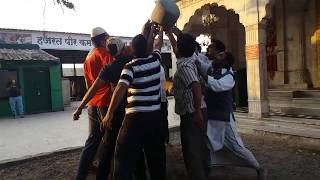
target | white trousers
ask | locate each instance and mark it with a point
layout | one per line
(221, 133)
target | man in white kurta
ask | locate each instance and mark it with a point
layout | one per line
(221, 128)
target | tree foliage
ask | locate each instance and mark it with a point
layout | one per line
(66, 3)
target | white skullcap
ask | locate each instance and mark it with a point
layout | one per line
(116, 41)
(97, 31)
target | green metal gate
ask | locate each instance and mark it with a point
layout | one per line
(37, 90)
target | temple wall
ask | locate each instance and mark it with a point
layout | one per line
(295, 27)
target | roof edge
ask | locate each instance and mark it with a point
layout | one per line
(19, 46)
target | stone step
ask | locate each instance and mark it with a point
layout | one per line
(288, 120)
(311, 111)
(307, 94)
(306, 102)
(280, 95)
(289, 94)
(301, 103)
(303, 128)
(281, 125)
(284, 131)
(313, 103)
(280, 103)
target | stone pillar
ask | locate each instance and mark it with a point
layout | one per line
(316, 41)
(295, 44)
(256, 70)
(282, 56)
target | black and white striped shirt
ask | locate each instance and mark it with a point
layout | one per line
(184, 76)
(142, 75)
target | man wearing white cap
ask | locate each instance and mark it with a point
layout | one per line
(110, 73)
(98, 105)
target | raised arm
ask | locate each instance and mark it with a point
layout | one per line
(150, 39)
(146, 29)
(202, 70)
(173, 43)
(223, 84)
(98, 83)
(176, 31)
(159, 41)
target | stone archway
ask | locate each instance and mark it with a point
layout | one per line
(227, 28)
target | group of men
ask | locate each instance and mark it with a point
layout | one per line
(125, 95)
(203, 99)
(127, 105)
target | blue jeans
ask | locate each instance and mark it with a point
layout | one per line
(95, 115)
(16, 106)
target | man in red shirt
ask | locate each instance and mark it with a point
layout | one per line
(98, 105)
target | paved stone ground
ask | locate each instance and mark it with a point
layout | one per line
(283, 161)
(40, 133)
(47, 132)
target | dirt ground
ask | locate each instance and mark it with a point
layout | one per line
(283, 161)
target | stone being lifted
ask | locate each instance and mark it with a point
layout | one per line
(165, 13)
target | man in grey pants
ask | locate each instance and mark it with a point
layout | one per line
(190, 106)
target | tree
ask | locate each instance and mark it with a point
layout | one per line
(65, 3)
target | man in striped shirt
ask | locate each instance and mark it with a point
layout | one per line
(190, 105)
(140, 79)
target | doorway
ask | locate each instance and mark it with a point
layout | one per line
(37, 90)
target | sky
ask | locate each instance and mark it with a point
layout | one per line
(117, 17)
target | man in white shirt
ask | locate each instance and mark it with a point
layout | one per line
(221, 129)
(201, 57)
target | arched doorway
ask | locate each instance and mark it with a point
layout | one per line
(219, 23)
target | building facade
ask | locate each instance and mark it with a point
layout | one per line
(71, 49)
(37, 74)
